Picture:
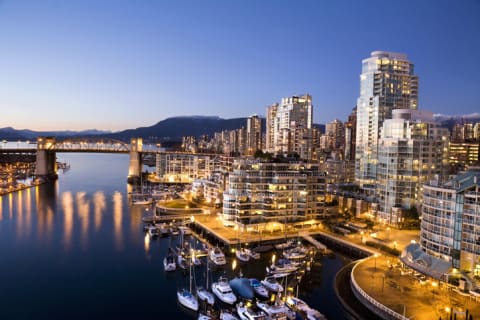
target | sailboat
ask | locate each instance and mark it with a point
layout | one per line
(203, 293)
(185, 297)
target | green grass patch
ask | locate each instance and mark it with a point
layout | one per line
(179, 204)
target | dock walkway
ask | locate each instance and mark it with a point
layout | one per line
(307, 237)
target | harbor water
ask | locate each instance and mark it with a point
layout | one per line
(76, 249)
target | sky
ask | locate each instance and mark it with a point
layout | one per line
(114, 65)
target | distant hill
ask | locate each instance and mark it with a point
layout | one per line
(11, 134)
(173, 129)
(170, 129)
(449, 121)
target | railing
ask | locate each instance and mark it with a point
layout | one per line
(358, 291)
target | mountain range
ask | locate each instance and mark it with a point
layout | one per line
(173, 129)
(170, 129)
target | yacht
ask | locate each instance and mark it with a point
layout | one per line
(187, 299)
(242, 255)
(202, 316)
(205, 295)
(181, 261)
(217, 256)
(223, 291)
(152, 231)
(298, 252)
(169, 263)
(285, 245)
(298, 304)
(225, 315)
(246, 313)
(277, 311)
(283, 266)
(259, 288)
(184, 230)
(252, 253)
(272, 284)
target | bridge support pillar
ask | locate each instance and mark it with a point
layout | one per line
(46, 166)
(135, 166)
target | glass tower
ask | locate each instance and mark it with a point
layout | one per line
(387, 82)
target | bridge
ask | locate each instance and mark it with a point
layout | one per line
(46, 148)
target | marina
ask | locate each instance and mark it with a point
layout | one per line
(89, 236)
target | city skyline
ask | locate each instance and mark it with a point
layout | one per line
(119, 65)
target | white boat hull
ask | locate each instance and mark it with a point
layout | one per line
(186, 299)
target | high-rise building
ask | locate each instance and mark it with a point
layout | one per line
(254, 134)
(335, 130)
(350, 134)
(387, 82)
(411, 152)
(289, 126)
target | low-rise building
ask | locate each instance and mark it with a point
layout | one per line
(450, 227)
(262, 193)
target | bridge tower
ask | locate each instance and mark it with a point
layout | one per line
(46, 166)
(135, 166)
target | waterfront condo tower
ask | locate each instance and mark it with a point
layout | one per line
(289, 126)
(411, 152)
(387, 82)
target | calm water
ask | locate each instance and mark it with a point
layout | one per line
(75, 249)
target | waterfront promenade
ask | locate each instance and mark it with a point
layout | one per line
(380, 276)
(418, 298)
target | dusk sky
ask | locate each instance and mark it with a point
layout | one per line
(114, 65)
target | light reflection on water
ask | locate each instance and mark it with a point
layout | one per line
(99, 208)
(67, 205)
(75, 249)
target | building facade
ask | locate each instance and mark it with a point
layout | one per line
(254, 134)
(259, 194)
(289, 126)
(411, 152)
(387, 82)
(450, 227)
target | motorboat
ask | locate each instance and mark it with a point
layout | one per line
(181, 261)
(205, 295)
(284, 266)
(169, 263)
(152, 231)
(223, 291)
(202, 316)
(298, 252)
(277, 311)
(174, 231)
(184, 230)
(247, 313)
(187, 299)
(225, 315)
(259, 288)
(252, 253)
(163, 228)
(272, 284)
(285, 245)
(298, 304)
(141, 199)
(196, 260)
(242, 255)
(217, 256)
